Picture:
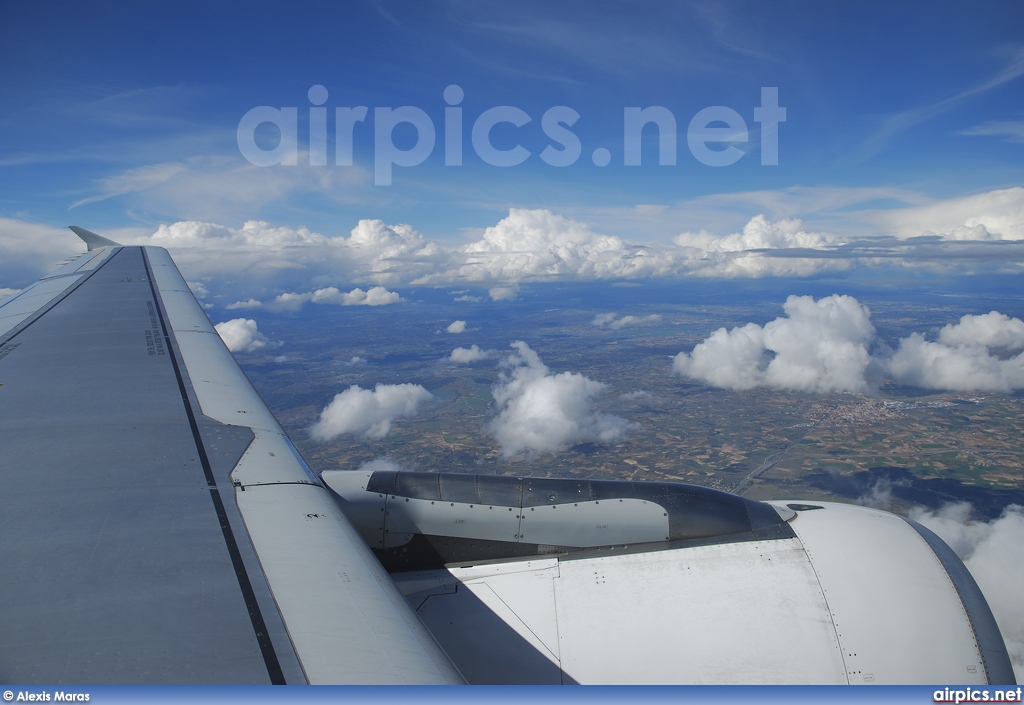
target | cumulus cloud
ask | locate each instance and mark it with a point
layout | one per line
(818, 346)
(241, 335)
(759, 233)
(368, 413)
(283, 257)
(962, 359)
(503, 293)
(289, 301)
(466, 355)
(824, 346)
(615, 322)
(5, 292)
(456, 327)
(993, 330)
(991, 551)
(544, 412)
(199, 289)
(249, 303)
(541, 245)
(376, 296)
(743, 254)
(391, 254)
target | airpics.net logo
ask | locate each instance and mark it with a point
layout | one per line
(712, 136)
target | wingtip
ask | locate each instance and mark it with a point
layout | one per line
(91, 239)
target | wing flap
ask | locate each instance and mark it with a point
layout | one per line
(347, 620)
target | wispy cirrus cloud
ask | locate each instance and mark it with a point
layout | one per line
(1008, 130)
(225, 187)
(1012, 68)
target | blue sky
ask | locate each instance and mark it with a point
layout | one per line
(900, 121)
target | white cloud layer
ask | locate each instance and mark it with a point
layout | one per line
(456, 327)
(541, 245)
(241, 335)
(544, 412)
(824, 345)
(526, 245)
(368, 413)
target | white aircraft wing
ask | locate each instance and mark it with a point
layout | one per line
(157, 526)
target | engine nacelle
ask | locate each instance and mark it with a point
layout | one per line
(526, 580)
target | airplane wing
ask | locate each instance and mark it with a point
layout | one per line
(157, 526)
